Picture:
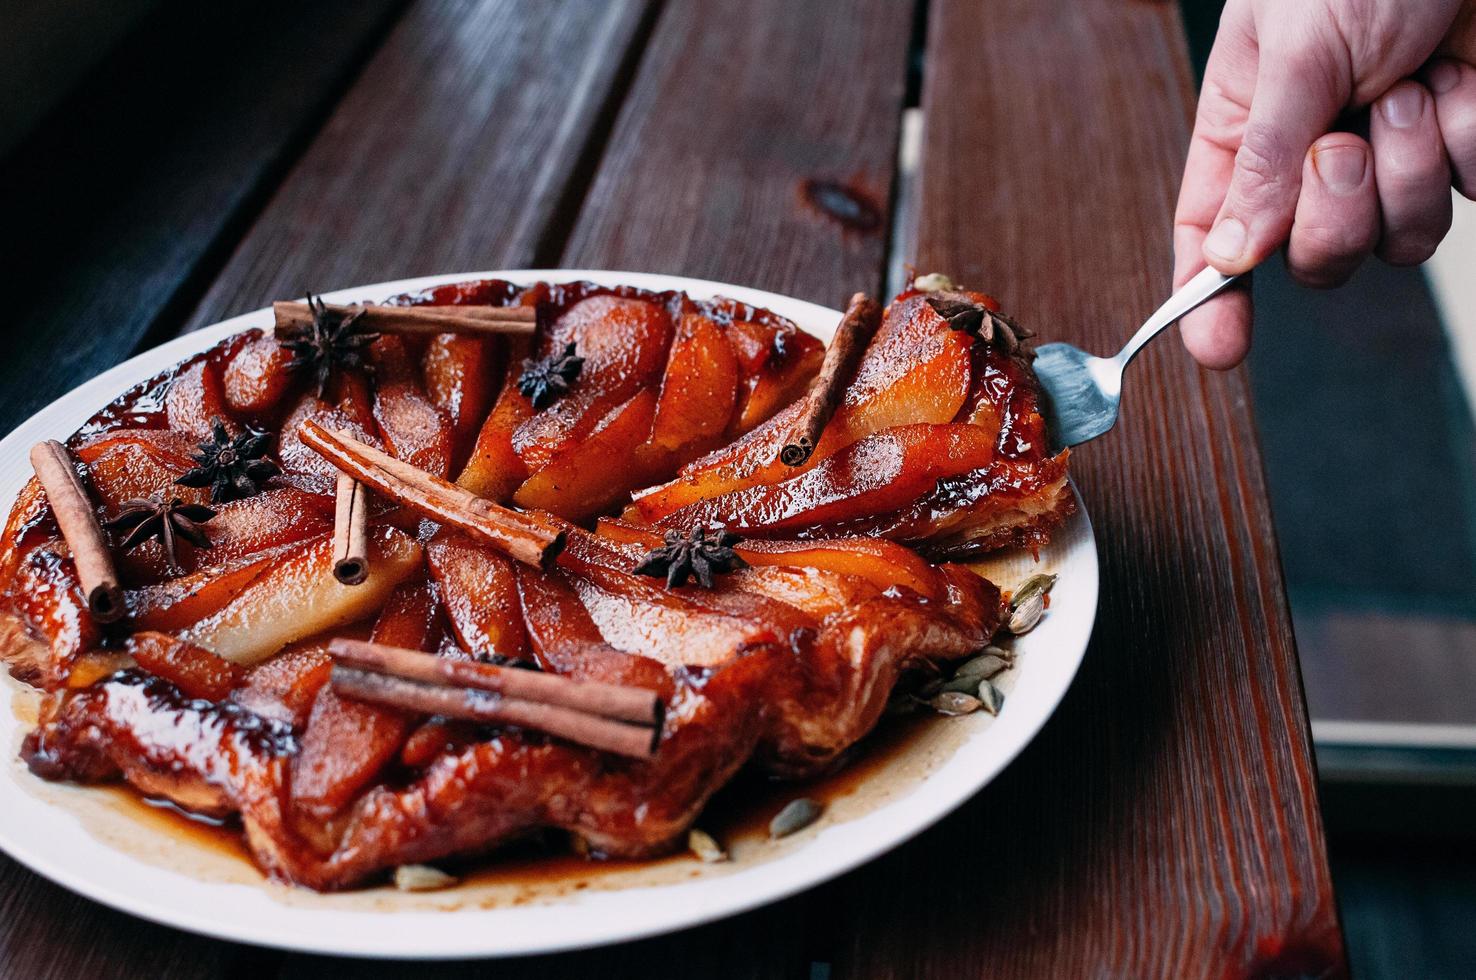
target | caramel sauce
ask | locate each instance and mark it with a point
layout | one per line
(888, 763)
(193, 830)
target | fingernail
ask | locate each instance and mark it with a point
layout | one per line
(1403, 106)
(1442, 77)
(1341, 167)
(1226, 240)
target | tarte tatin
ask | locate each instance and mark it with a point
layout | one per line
(398, 584)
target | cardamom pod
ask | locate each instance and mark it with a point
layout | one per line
(984, 665)
(991, 698)
(796, 815)
(955, 703)
(1032, 586)
(1024, 618)
(962, 684)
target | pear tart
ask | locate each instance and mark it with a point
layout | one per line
(610, 546)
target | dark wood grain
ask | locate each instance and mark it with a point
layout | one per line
(49, 933)
(1166, 822)
(757, 146)
(125, 198)
(455, 150)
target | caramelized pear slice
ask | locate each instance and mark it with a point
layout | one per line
(131, 464)
(591, 476)
(284, 686)
(776, 363)
(299, 459)
(300, 597)
(638, 614)
(494, 469)
(885, 564)
(698, 389)
(908, 379)
(194, 670)
(461, 376)
(196, 399)
(479, 593)
(177, 603)
(567, 641)
(413, 428)
(623, 342)
(257, 379)
(239, 529)
(347, 742)
(878, 474)
(29, 524)
(48, 595)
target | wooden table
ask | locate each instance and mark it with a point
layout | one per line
(1165, 823)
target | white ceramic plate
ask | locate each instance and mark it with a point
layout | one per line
(88, 840)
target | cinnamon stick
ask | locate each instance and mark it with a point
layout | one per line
(479, 321)
(476, 705)
(634, 704)
(857, 327)
(351, 531)
(533, 538)
(77, 519)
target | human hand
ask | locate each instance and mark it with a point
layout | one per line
(1263, 169)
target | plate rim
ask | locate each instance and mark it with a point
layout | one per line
(779, 878)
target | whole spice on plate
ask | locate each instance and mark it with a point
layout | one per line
(332, 343)
(544, 382)
(955, 703)
(693, 554)
(796, 816)
(862, 319)
(962, 312)
(991, 698)
(56, 471)
(232, 468)
(985, 665)
(1027, 615)
(1040, 584)
(704, 847)
(422, 878)
(167, 521)
(350, 531)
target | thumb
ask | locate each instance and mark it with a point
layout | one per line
(1296, 99)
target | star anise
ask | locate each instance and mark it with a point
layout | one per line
(963, 313)
(144, 519)
(231, 468)
(331, 343)
(693, 554)
(542, 382)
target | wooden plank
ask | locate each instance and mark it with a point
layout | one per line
(128, 194)
(49, 933)
(757, 146)
(1166, 822)
(456, 150)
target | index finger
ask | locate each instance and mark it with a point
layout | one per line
(1218, 333)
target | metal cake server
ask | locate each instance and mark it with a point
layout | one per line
(1082, 392)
